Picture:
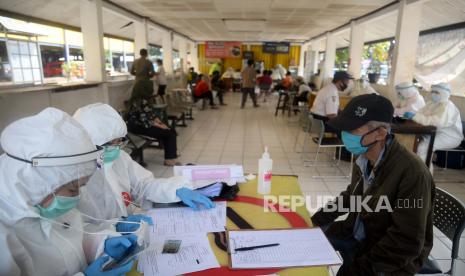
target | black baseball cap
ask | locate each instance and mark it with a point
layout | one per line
(342, 75)
(362, 109)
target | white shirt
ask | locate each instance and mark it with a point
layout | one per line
(161, 77)
(326, 101)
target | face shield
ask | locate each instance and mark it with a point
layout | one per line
(65, 175)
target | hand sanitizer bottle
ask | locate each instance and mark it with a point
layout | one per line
(264, 173)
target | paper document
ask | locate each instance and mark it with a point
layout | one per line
(195, 254)
(297, 247)
(204, 175)
(184, 220)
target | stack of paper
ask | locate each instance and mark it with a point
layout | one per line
(184, 220)
(195, 254)
(207, 174)
(296, 247)
(191, 228)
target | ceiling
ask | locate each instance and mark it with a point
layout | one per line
(244, 20)
(294, 20)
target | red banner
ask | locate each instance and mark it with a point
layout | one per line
(227, 49)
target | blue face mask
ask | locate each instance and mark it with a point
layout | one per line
(59, 206)
(435, 98)
(110, 154)
(353, 143)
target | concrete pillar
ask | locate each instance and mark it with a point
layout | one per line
(183, 55)
(303, 50)
(92, 34)
(141, 36)
(330, 56)
(313, 57)
(357, 33)
(194, 56)
(405, 49)
(167, 45)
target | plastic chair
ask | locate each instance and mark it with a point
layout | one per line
(316, 131)
(449, 218)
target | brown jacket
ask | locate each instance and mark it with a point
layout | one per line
(398, 242)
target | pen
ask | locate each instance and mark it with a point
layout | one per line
(256, 247)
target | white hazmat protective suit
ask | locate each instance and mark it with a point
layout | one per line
(110, 191)
(445, 116)
(408, 99)
(32, 245)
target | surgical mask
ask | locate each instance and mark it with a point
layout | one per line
(110, 154)
(59, 206)
(353, 143)
(401, 97)
(436, 98)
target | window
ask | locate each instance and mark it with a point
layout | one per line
(24, 61)
(155, 52)
(176, 60)
(53, 58)
(6, 75)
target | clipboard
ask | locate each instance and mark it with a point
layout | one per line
(228, 241)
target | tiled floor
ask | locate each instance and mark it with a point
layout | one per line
(231, 135)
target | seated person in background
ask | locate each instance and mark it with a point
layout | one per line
(408, 99)
(444, 115)
(326, 103)
(265, 82)
(388, 237)
(202, 90)
(286, 83)
(144, 120)
(302, 92)
(122, 185)
(218, 85)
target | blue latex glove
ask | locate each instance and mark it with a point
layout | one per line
(117, 247)
(95, 268)
(131, 227)
(409, 115)
(192, 198)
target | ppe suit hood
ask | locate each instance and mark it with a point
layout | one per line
(443, 89)
(50, 133)
(102, 122)
(407, 89)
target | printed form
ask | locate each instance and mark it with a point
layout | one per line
(195, 254)
(297, 247)
(184, 220)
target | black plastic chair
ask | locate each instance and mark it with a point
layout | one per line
(449, 218)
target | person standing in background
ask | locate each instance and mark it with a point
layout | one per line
(249, 77)
(143, 70)
(161, 79)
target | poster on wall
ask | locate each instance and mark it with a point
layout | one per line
(276, 47)
(226, 49)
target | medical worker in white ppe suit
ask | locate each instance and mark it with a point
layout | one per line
(444, 115)
(408, 99)
(123, 184)
(47, 158)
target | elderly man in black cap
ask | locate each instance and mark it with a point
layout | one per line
(391, 231)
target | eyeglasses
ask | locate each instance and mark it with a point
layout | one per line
(120, 143)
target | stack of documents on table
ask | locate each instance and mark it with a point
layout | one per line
(191, 228)
(280, 248)
(195, 254)
(184, 220)
(204, 175)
